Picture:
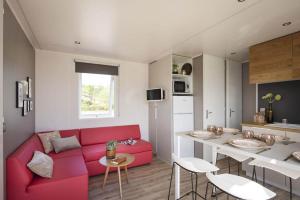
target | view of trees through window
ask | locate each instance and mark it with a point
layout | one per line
(97, 95)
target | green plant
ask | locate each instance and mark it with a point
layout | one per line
(270, 98)
(111, 145)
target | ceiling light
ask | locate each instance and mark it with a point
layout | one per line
(77, 42)
(240, 1)
(286, 23)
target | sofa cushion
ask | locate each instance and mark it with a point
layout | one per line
(64, 154)
(139, 146)
(101, 135)
(93, 152)
(69, 181)
(63, 168)
(63, 144)
(41, 164)
(46, 140)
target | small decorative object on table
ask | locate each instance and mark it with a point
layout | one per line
(118, 160)
(111, 147)
(268, 139)
(219, 131)
(248, 134)
(270, 99)
(211, 128)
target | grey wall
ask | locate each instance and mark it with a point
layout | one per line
(249, 95)
(288, 107)
(160, 76)
(18, 63)
(198, 100)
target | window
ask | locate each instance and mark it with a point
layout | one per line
(97, 95)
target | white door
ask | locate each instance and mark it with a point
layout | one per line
(184, 122)
(233, 94)
(213, 95)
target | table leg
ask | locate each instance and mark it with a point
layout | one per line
(105, 177)
(120, 182)
(126, 173)
(177, 171)
(214, 155)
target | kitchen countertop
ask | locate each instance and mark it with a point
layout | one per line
(253, 124)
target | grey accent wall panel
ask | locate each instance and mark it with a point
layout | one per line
(198, 100)
(249, 95)
(160, 76)
(18, 63)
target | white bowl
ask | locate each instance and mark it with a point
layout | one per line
(250, 144)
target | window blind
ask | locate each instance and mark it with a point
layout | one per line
(92, 68)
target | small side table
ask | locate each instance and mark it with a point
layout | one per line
(107, 162)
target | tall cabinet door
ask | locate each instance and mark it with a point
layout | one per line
(213, 95)
(233, 94)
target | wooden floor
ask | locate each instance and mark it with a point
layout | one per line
(151, 182)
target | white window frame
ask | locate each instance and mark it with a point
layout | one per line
(114, 81)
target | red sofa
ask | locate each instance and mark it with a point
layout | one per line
(72, 167)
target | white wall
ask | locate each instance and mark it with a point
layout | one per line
(57, 95)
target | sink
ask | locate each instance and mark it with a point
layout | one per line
(282, 125)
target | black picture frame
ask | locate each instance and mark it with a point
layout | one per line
(29, 80)
(19, 94)
(25, 108)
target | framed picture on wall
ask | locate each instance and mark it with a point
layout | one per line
(25, 88)
(19, 95)
(31, 105)
(25, 108)
(29, 80)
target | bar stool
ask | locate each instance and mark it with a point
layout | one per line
(239, 187)
(239, 158)
(292, 174)
(194, 166)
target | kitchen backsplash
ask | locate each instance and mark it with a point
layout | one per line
(289, 106)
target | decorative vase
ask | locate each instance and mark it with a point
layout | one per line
(269, 114)
(111, 154)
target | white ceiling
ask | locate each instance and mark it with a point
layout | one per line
(144, 30)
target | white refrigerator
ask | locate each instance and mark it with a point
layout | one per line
(183, 120)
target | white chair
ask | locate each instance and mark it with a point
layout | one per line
(239, 158)
(239, 187)
(292, 174)
(194, 166)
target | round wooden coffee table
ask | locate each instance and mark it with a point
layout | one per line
(107, 162)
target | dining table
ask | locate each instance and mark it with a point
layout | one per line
(279, 153)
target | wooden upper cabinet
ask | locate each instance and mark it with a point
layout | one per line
(272, 61)
(296, 54)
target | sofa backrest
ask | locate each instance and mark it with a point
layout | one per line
(102, 135)
(66, 133)
(18, 176)
(69, 133)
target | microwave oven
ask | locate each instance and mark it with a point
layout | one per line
(181, 86)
